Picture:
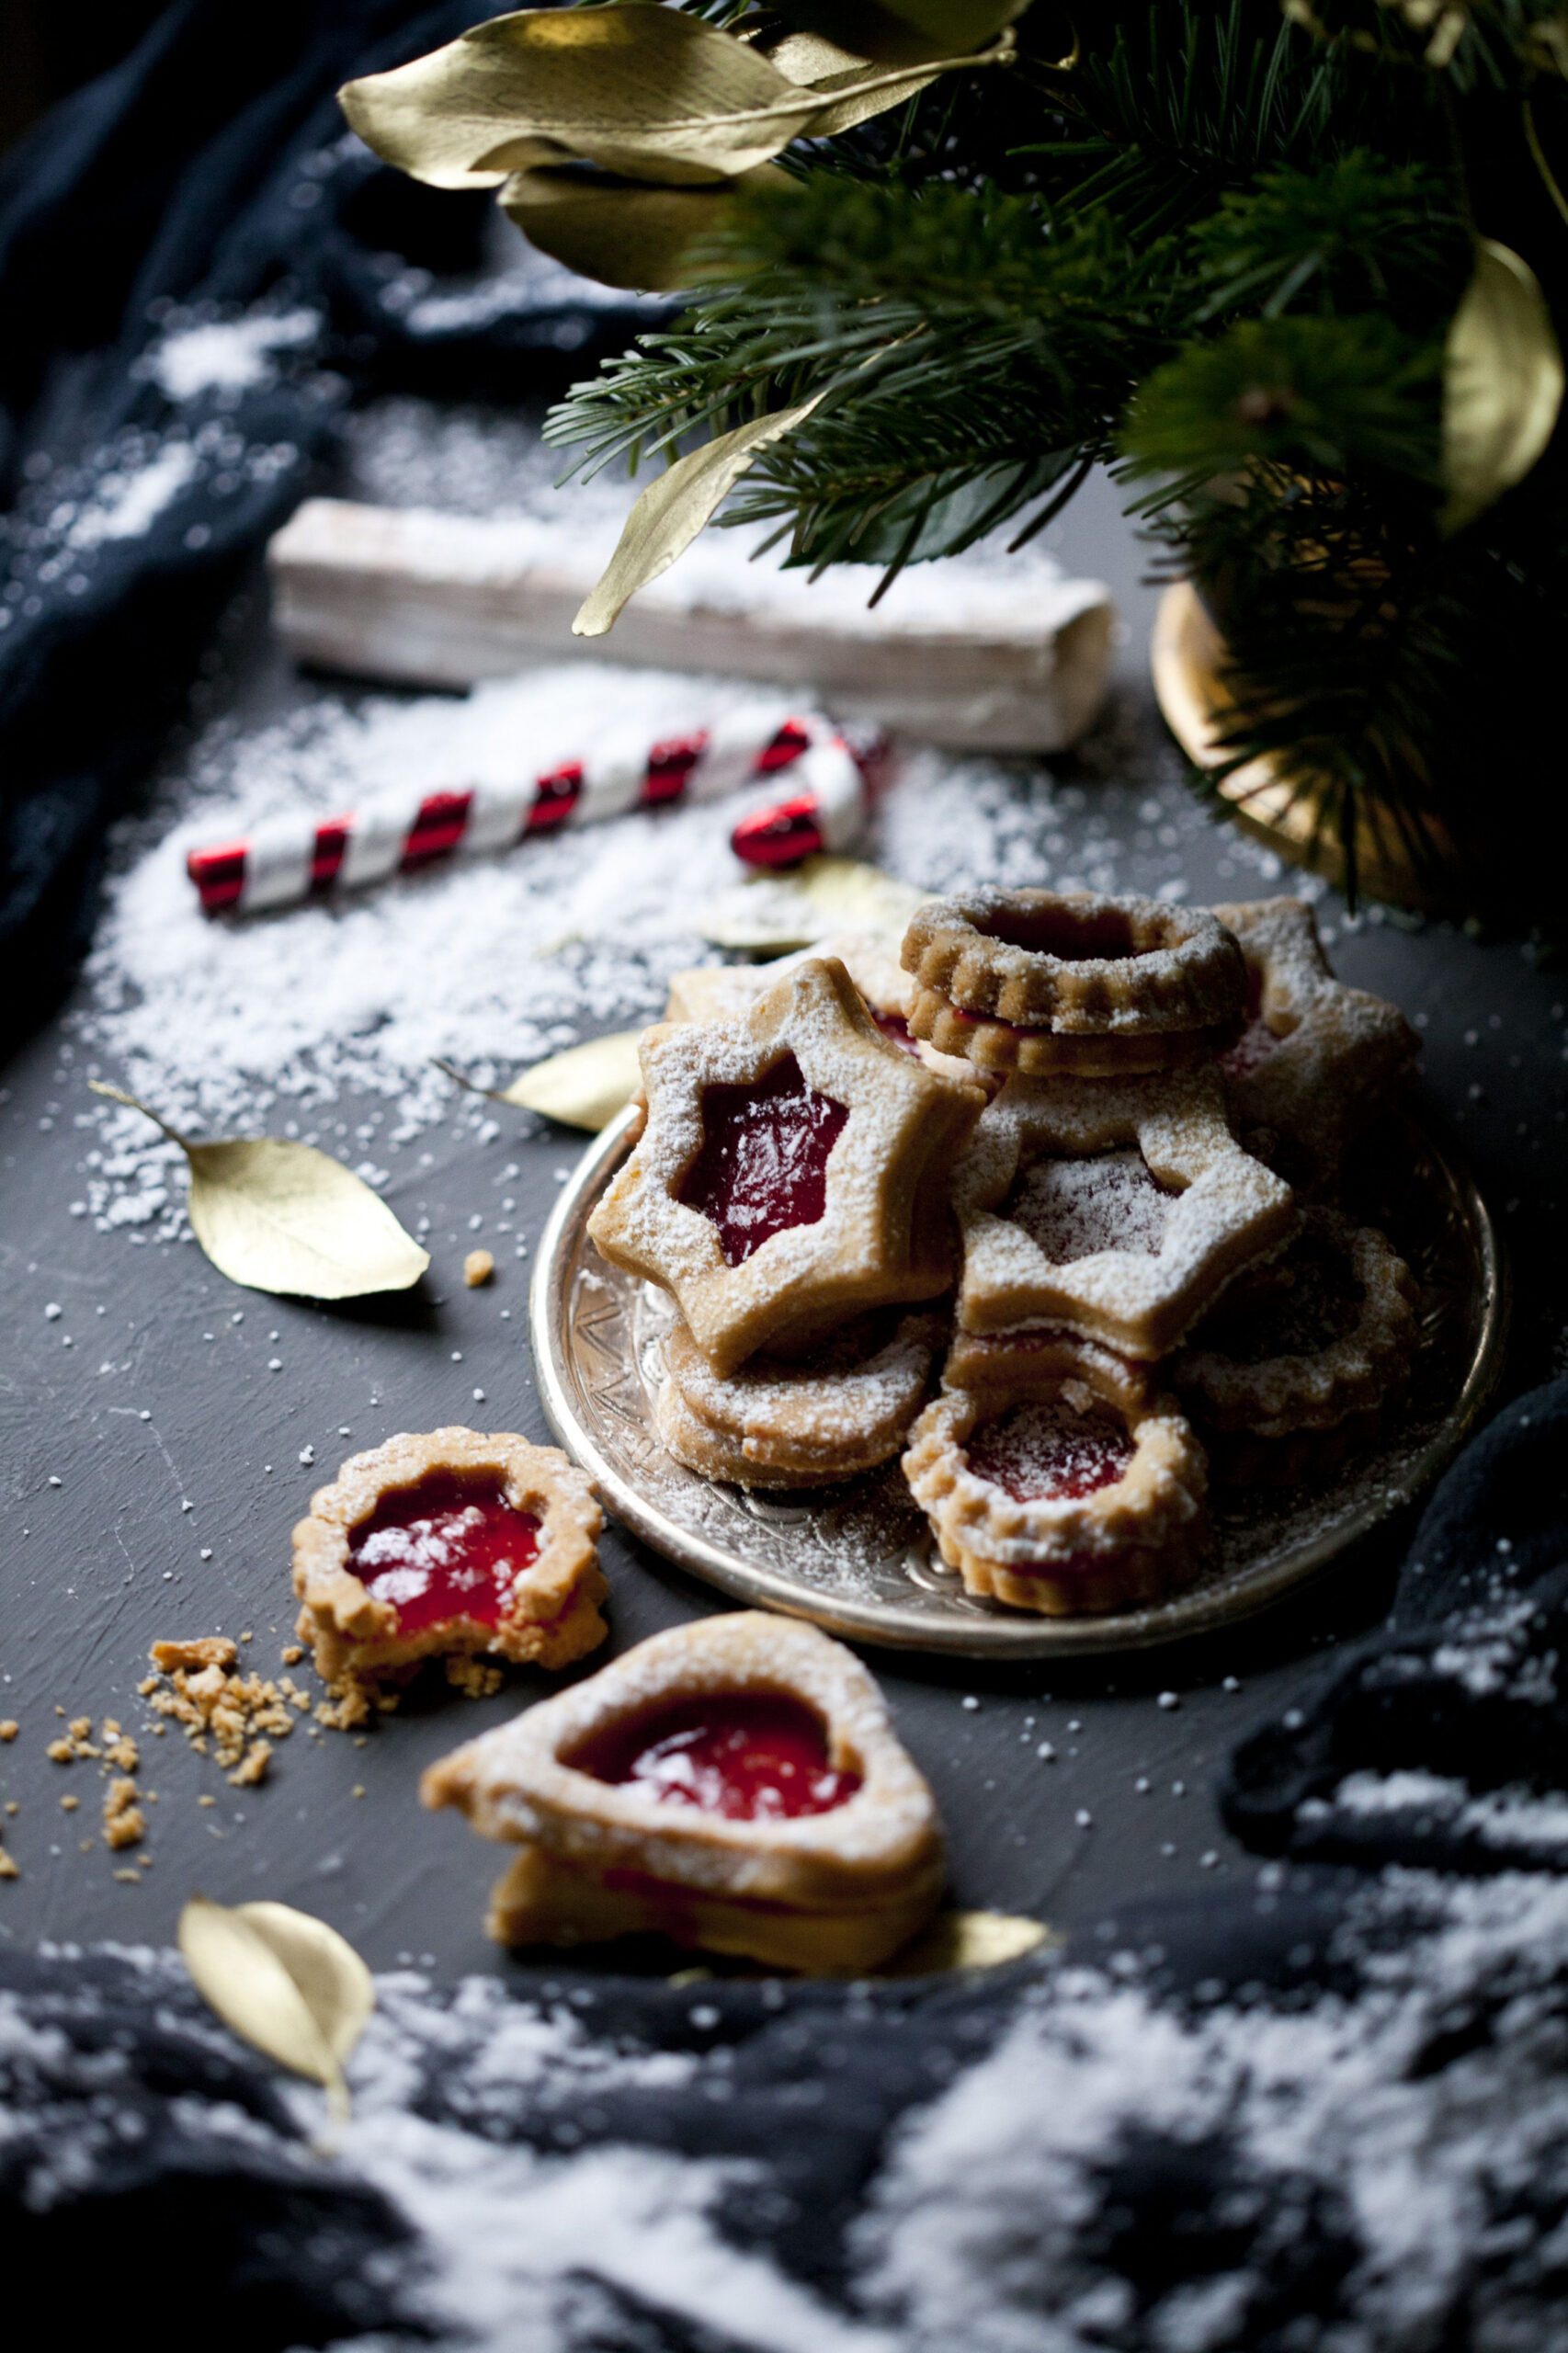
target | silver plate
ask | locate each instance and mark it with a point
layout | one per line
(858, 1559)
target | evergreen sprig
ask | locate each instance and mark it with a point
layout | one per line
(1221, 252)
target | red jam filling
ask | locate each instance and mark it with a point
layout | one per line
(1047, 1454)
(1106, 1200)
(1258, 1040)
(762, 1165)
(751, 1756)
(448, 1547)
(894, 1025)
(1075, 937)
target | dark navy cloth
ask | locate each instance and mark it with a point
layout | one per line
(207, 181)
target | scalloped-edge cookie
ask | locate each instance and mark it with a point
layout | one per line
(447, 1544)
(793, 1170)
(1322, 1337)
(780, 1424)
(1061, 1486)
(734, 1783)
(1045, 981)
(1120, 1209)
(1318, 1061)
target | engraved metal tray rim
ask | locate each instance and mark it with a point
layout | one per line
(989, 1632)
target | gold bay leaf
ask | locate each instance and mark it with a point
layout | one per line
(968, 1940)
(622, 234)
(283, 1217)
(584, 1087)
(908, 32)
(673, 510)
(287, 1983)
(636, 88)
(821, 895)
(1502, 383)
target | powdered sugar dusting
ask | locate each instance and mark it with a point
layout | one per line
(1108, 1201)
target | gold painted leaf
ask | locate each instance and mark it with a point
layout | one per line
(287, 1983)
(584, 1087)
(906, 32)
(283, 1217)
(673, 510)
(970, 1940)
(821, 895)
(637, 89)
(1503, 382)
(621, 234)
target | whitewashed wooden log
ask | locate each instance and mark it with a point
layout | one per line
(974, 657)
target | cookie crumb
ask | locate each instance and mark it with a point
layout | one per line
(358, 1790)
(9, 1728)
(478, 1267)
(69, 1805)
(206, 1799)
(132, 1879)
(252, 1767)
(124, 1822)
(7, 1867)
(208, 1650)
(474, 1677)
(291, 1653)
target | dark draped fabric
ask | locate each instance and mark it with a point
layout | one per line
(208, 179)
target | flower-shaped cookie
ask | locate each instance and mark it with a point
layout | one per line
(1044, 981)
(446, 1545)
(780, 1424)
(1119, 1208)
(1297, 1362)
(793, 1170)
(1317, 1061)
(733, 1783)
(1060, 1485)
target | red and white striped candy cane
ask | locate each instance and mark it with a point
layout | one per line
(289, 858)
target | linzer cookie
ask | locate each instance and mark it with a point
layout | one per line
(1317, 1061)
(1060, 1486)
(734, 1784)
(1041, 982)
(449, 1545)
(793, 1170)
(780, 1424)
(1118, 1209)
(1299, 1360)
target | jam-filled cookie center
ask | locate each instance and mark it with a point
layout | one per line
(762, 1165)
(1106, 1200)
(750, 1757)
(452, 1547)
(1102, 937)
(1044, 1452)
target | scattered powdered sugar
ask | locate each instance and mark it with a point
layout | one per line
(228, 354)
(1105, 1201)
(489, 962)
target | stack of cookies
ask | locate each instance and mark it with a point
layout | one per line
(1140, 1289)
(1095, 1139)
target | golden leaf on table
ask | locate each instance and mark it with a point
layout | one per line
(968, 1940)
(584, 1087)
(1502, 383)
(675, 509)
(287, 1983)
(283, 1217)
(821, 895)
